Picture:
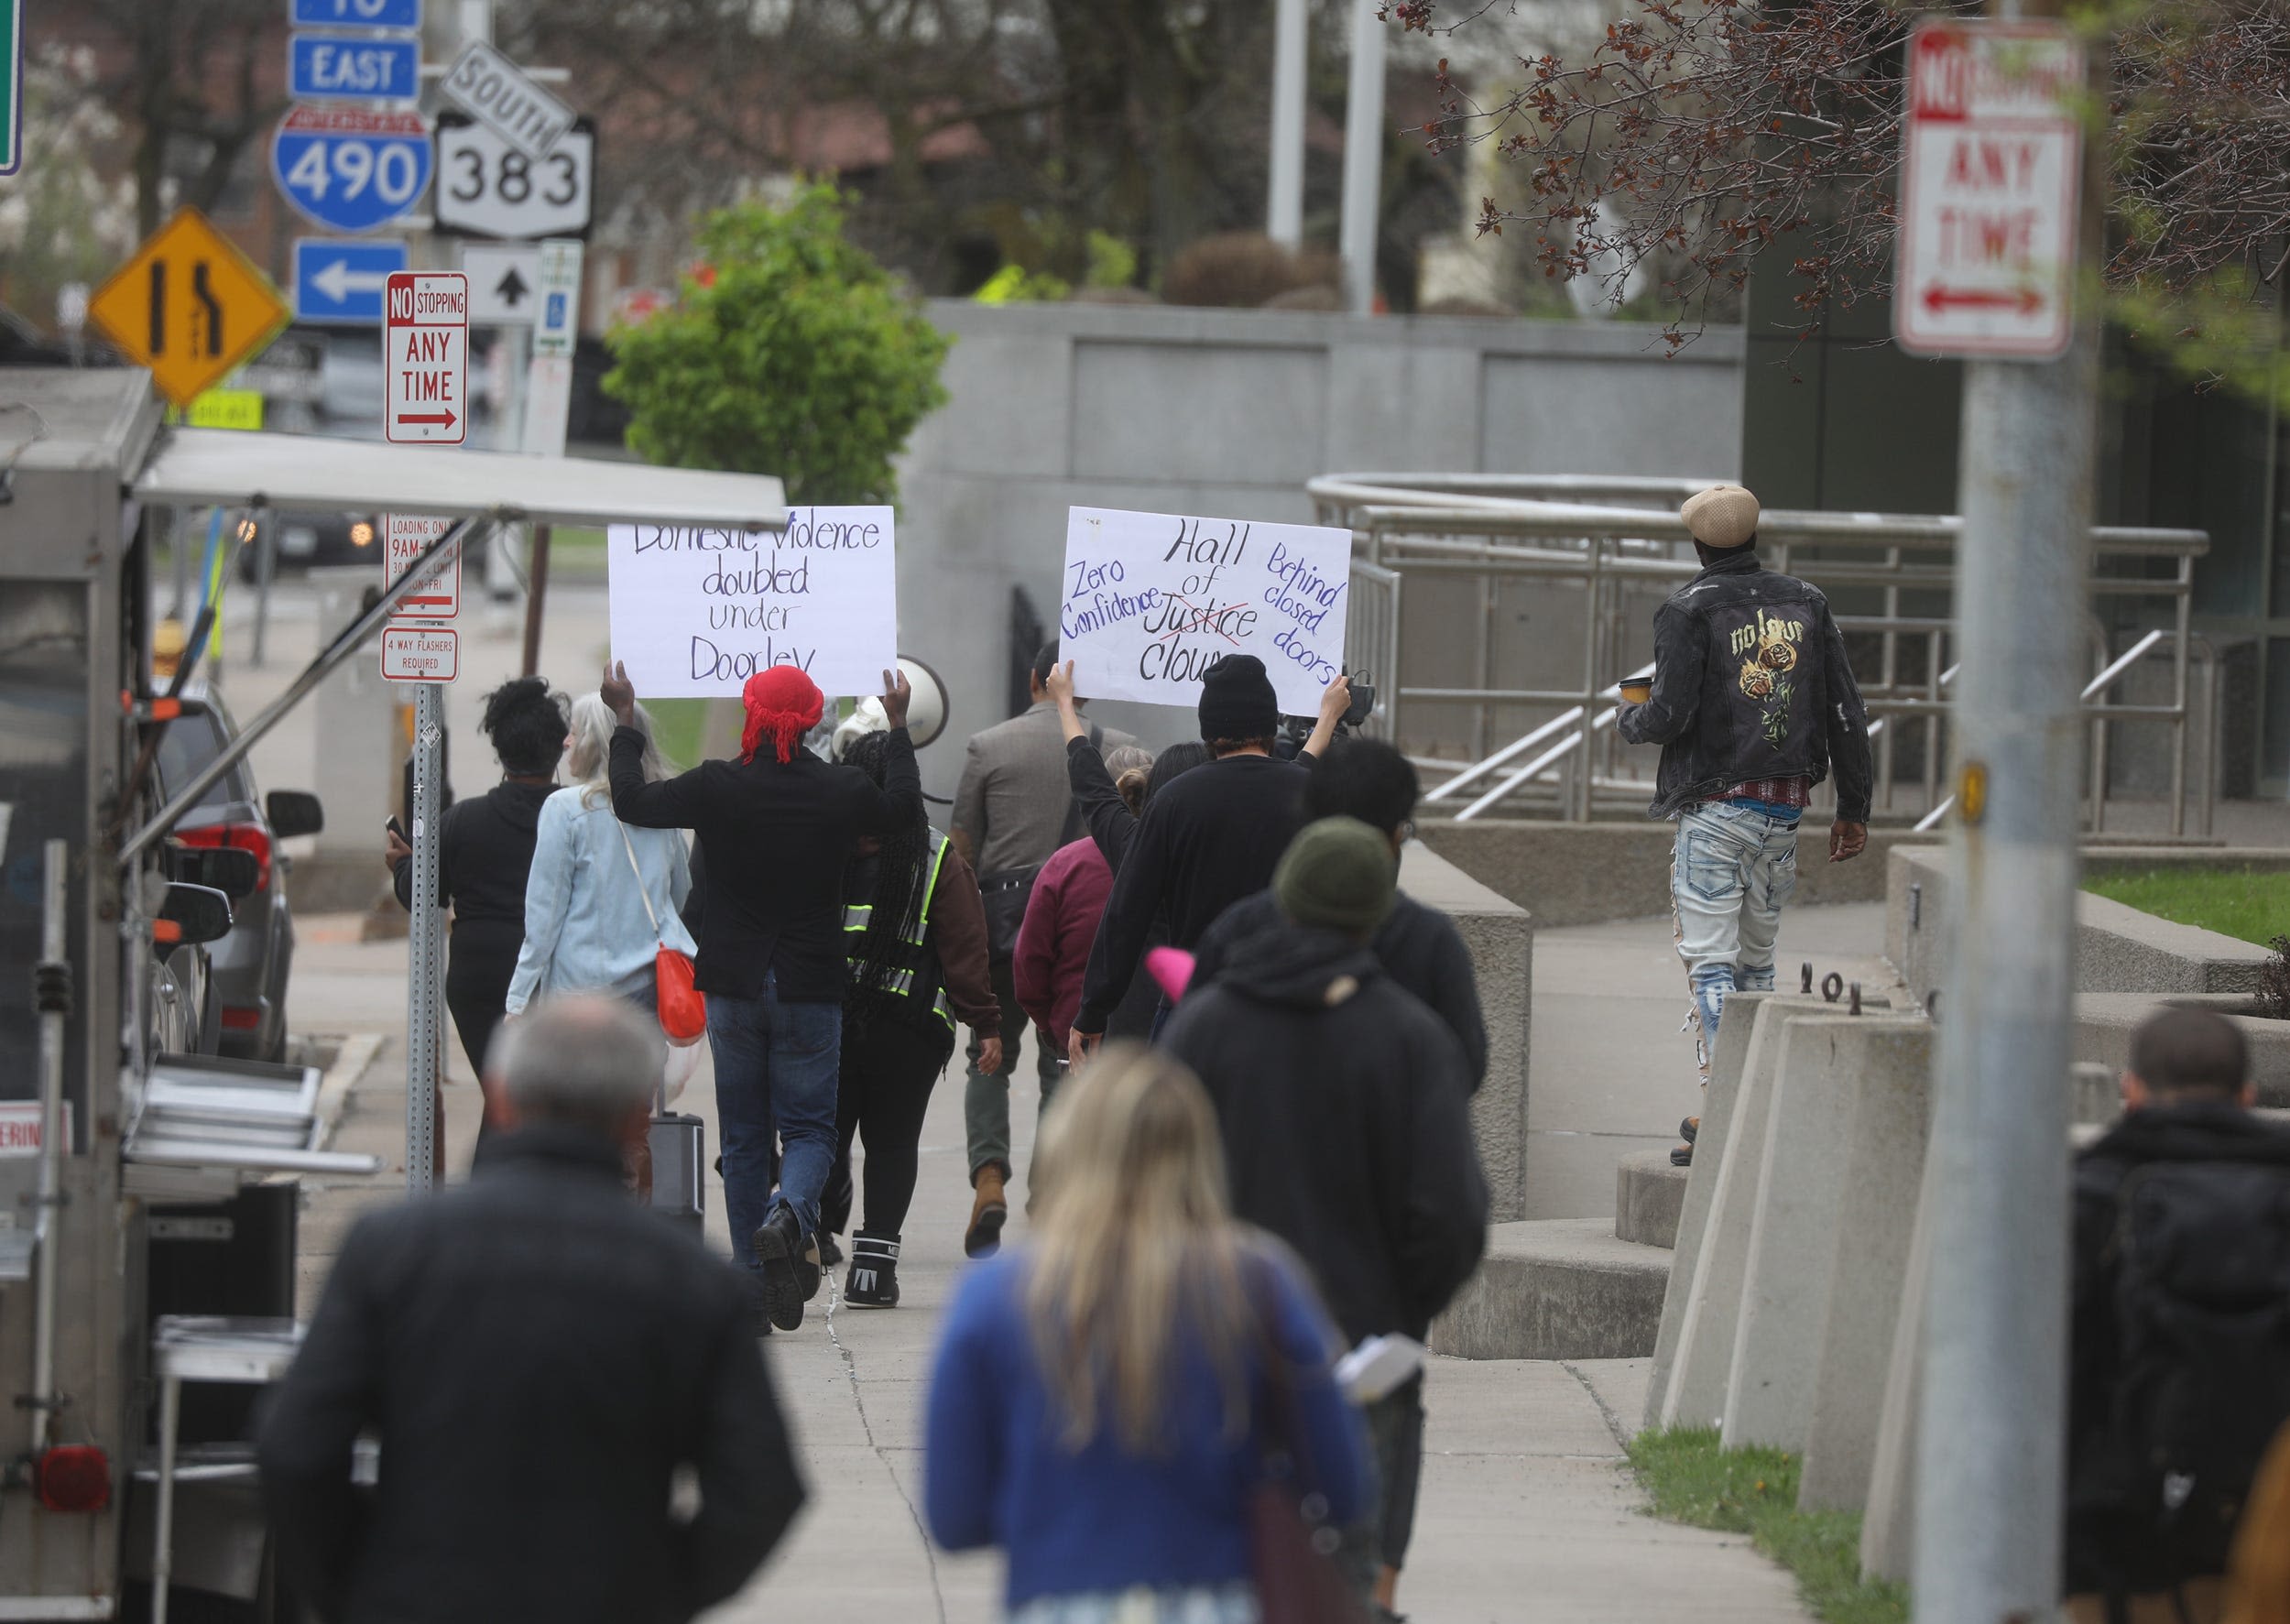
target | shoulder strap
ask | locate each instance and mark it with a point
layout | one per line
(642, 890)
(1072, 830)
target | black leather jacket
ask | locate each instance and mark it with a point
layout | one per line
(1750, 681)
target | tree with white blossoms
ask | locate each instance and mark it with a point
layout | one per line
(61, 221)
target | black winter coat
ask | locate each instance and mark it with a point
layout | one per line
(538, 1356)
(1750, 681)
(2103, 1542)
(1418, 947)
(1346, 1123)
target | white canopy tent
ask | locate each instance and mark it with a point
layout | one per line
(196, 466)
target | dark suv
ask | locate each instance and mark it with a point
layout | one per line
(248, 967)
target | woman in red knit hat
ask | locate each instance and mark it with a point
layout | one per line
(775, 829)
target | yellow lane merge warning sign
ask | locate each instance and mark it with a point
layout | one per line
(226, 409)
(190, 306)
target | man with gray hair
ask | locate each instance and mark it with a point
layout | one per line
(544, 1362)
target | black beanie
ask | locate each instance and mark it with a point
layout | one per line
(1237, 700)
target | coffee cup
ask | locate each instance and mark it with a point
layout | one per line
(1638, 690)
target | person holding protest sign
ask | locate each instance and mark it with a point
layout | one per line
(775, 828)
(1214, 837)
(1012, 810)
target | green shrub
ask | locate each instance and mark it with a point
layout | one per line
(791, 353)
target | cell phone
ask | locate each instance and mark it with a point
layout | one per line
(397, 828)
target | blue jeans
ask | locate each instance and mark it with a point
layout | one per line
(1734, 867)
(775, 1073)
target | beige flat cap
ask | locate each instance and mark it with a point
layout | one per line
(1722, 515)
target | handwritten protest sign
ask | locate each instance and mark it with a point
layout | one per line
(1150, 599)
(696, 612)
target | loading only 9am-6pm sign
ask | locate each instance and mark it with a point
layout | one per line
(696, 612)
(1151, 600)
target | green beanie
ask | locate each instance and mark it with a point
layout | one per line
(1338, 873)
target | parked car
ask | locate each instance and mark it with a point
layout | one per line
(250, 966)
(305, 538)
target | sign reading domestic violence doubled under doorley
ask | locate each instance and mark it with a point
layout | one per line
(696, 612)
(1150, 600)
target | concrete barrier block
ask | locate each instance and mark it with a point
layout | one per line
(1888, 1522)
(1649, 1198)
(1883, 1169)
(1718, 1107)
(1702, 1361)
(1825, 1063)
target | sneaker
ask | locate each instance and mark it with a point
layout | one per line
(989, 1210)
(778, 1248)
(1682, 1156)
(830, 1254)
(1689, 1128)
(873, 1281)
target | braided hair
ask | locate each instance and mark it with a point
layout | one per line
(902, 879)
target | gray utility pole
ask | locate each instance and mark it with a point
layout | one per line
(1284, 206)
(1363, 159)
(425, 954)
(1992, 1434)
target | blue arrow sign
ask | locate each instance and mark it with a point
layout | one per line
(353, 67)
(342, 283)
(350, 169)
(356, 14)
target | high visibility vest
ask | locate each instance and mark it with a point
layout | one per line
(917, 975)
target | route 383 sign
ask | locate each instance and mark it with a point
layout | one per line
(487, 188)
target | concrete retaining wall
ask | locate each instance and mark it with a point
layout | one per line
(1229, 412)
(1579, 874)
(2118, 949)
(1500, 936)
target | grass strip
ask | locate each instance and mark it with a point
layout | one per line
(1691, 1479)
(2249, 904)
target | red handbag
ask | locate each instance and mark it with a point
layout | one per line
(682, 1007)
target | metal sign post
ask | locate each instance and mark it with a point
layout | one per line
(425, 1003)
(1991, 1436)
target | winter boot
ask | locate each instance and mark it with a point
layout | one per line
(779, 1248)
(989, 1210)
(873, 1281)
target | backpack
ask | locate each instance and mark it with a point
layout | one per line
(2202, 1302)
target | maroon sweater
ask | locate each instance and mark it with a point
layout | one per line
(1052, 953)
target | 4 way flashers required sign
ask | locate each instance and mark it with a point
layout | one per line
(1992, 172)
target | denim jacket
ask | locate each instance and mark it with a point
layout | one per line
(1750, 681)
(585, 927)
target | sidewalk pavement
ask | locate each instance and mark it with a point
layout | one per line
(1613, 1071)
(1528, 1508)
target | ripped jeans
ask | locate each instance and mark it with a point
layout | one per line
(1730, 875)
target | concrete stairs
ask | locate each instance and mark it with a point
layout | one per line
(1575, 1288)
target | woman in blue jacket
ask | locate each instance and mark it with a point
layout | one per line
(602, 897)
(1103, 1398)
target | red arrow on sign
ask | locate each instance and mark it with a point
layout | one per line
(444, 420)
(2027, 300)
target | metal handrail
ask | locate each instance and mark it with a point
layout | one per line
(1612, 534)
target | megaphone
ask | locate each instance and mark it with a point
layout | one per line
(926, 710)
